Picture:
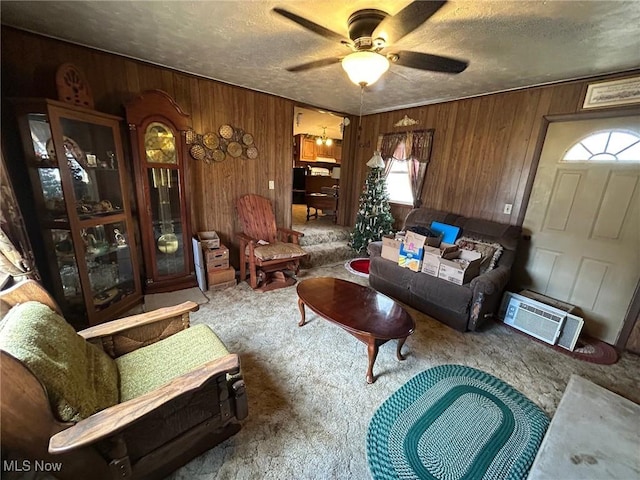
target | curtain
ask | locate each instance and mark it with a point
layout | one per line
(413, 147)
(389, 145)
(419, 161)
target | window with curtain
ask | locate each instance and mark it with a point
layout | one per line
(406, 156)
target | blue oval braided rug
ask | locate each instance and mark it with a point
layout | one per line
(453, 422)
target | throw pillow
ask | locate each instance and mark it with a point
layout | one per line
(79, 377)
(490, 252)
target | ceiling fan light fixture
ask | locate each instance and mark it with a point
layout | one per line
(365, 67)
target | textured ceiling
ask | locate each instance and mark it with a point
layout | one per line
(508, 44)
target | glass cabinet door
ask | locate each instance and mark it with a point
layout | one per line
(75, 162)
(108, 262)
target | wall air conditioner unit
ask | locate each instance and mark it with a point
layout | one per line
(540, 319)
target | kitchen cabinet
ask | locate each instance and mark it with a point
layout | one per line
(307, 146)
(307, 150)
(76, 167)
(324, 151)
(337, 151)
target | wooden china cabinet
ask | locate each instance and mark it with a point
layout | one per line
(157, 127)
(77, 171)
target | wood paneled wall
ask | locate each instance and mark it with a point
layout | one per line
(484, 150)
(29, 63)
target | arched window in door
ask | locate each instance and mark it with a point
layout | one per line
(606, 146)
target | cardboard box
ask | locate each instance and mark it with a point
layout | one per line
(209, 239)
(221, 276)
(391, 247)
(461, 269)
(411, 251)
(432, 256)
(434, 241)
(431, 261)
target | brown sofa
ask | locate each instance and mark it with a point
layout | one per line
(463, 307)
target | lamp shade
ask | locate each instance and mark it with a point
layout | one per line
(365, 67)
(335, 173)
(376, 161)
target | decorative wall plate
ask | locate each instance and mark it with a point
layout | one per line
(190, 136)
(226, 131)
(218, 155)
(211, 140)
(234, 149)
(247, 139)
(252, 153)
(197, 152)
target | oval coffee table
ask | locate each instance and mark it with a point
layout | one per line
(371, 317)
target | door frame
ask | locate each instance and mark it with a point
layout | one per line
(633, 311)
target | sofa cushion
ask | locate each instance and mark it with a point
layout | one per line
(396, 279)
(150, 367)
(425, 216)
(433, 290)
(489, 231)
(80, 379)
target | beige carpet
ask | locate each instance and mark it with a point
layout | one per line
(309, 405)
(167, 299)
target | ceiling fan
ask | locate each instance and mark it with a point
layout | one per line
(370, 32)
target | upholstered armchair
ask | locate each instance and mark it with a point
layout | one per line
(131, 398)
(264, 247)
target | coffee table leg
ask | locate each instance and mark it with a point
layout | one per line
(399, 350)
(372, 350)
(301, 307)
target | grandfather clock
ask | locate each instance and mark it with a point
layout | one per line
(157, 126)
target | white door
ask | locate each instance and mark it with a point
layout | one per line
(584, 220)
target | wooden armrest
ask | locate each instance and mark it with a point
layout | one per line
(114, 419)
(126, 323)
(26, 291)
(246, 238)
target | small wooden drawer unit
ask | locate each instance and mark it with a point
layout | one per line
(224, 275)
(216, 258)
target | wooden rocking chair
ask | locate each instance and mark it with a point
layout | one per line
(270, 252)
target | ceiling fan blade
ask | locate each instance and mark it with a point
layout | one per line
(312, 26)
(406, 20)
(315, 64)
(425, 61)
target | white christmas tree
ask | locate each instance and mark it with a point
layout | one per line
(374, 212)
